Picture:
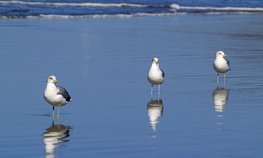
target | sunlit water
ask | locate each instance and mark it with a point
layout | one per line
(103, 63)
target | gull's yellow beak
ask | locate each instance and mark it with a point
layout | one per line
(55, 81)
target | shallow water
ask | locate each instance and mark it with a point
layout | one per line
(103, 63)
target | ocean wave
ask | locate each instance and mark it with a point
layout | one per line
(106, 10)
(94, 16)
(131, 5)
(226, 9)
(56, 16)
(97, 16)
(78, 4)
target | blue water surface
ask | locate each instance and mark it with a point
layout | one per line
(103, 63)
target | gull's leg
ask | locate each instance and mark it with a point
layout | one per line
(58, 112)
(151, 91)
(58, 119)
(159, 91)
(224, 80)
(217, 80)
(53, 111)
(53, 123)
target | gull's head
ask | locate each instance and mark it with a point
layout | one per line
(220, 54)
(155, 60)
(52, 79)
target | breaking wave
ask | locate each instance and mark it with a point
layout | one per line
(28, 10)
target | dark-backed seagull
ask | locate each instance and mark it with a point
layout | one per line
(156, 75)
(55, 95)
(221, 64)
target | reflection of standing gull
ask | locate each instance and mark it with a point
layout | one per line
(220, 97)
(55, 95)
(53, 137)
(156, 75)
(221, 64)
(155, 110)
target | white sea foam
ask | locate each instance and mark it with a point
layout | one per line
(105, 5)
(101, 15)
(81, 16)
(175, 6)
(237, 9)
(56, 16)
(76, 4)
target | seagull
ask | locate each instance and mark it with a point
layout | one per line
(155, 75)
(221, 64)
(55, 95)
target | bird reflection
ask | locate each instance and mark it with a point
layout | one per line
(155, 111)
(55, 136)
(220, 97)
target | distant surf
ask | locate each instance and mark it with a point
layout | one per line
(40, 9)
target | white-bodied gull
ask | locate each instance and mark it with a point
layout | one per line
(221, 64)
(155, 75)
(55, 95)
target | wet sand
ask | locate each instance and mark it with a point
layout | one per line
(103, 63)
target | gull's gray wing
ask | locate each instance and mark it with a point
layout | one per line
(163, 74)
(227, 60)
(62, 91)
